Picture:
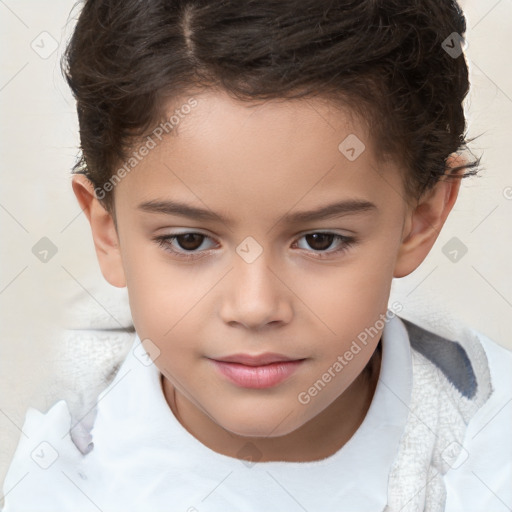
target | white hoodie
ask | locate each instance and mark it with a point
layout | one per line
(436, 437)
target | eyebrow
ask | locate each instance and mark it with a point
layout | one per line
(333, 210)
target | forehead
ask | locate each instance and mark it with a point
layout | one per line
(260, 156)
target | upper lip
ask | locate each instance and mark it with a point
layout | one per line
(255, 360)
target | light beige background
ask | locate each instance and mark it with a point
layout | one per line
(38, 146)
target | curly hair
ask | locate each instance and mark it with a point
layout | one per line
(387, 60)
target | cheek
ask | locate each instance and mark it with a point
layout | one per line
(161, 290)
(167, 303)
(357, 299)
(371, 275)
(163, 304)
(349, 297)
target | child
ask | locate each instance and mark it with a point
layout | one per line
(277, 375)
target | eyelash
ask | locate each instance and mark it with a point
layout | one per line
(165, 243)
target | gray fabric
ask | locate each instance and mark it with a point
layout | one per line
(449, 356)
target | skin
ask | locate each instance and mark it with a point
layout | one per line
(253, 164)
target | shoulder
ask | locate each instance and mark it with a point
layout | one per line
(499, 357)
(480, 479)
(479, 373)
(45, 464)
(475, 365)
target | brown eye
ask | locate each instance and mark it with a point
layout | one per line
(184, 245)
(189, 241)
(319, 241)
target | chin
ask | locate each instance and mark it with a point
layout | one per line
(261, 424)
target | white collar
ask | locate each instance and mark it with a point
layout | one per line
(133, 416)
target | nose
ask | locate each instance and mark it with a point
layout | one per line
(255, 295)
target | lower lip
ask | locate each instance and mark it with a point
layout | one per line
(258, 377)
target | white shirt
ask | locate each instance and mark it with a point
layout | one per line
(145, 460)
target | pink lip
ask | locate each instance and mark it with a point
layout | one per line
(255, 360)
(257, 372)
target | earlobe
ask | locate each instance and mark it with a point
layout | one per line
(104, 233)
(424, 222)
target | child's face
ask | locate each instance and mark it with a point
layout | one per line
(255, 283)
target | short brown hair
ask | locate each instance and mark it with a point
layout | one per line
(387, 60)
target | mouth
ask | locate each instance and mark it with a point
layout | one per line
(257, 372)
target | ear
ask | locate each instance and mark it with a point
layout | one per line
(104, 233)
(425, 220)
